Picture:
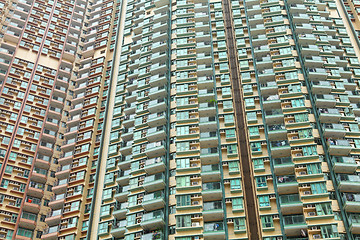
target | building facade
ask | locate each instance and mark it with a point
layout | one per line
(179, 119)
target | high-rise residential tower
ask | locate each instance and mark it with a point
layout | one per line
(179, 119)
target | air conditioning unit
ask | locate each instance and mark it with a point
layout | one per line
(228, 200)
(227, 181)
(291, 121)
(195, 224)
(295, 137)
(225, 163)
(307, 192)
(276, 217)
(195, 203)
(316, 236)
(193, 148)
(298, 154)
(194, 164)
(230, 220)
(302, 173)
(195, 195)
(196, 238)
(195, 183)
(315, 228)
(311, 213)
(16, 188)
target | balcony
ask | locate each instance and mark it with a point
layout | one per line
(293, 225)
(210, 173)
(287, 184)
(354, 222)
(155, 149)
(205, 81)
(290, 204)
(213, 211)
(283, 166)
(156, 134)
(39, 175)
(60, 186)
(156, 119)
(54, 218)
(207, 109)
(321, 87)
(269, 88)
(306, 39)
(51, 233)
(329, 115)
(344, 164)
(120, 210)
(157, 92)
(280, 148)
(153, 201)
(334, 130)
(209, 155)
(274, 116)
(348, 183)
(32, 204)
(351, 202)
(154, 165)
(214, 231)
(338, 147)
(156, 235)
(122, 193)
(28, 221)
(57, 202)
(207, 124)
(277, 132)
(206, 95)
(208, 139)
(211, 191)
(118, 229)
(63, 172)
(271, 102)
(123, 177)
(266, 75)
(154, 182)
(153, 220)
(158, 80)
(317, 74)
(158, 105)
(36, 190)
(325, 101)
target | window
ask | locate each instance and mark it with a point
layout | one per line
(182, 146)
(267, 222)
(323, 209)
(264, 201)
(183, 163)
(103, 228)
(38, 234)
(235, 184)
(25, 232)
(234, 166)
(239, 224)
(182, 130)
(183, 221)
(261, 181)
(237, 204)
(329, 231)
(183, 181)
(318, 188)
(258, 163)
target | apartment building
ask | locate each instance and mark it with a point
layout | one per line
(179, 119)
